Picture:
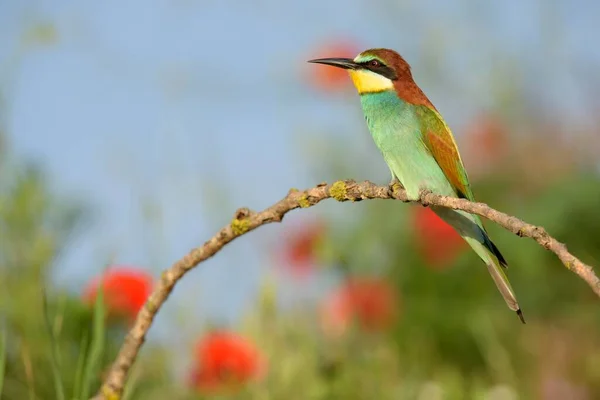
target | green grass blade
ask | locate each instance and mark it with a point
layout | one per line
(97, 345)
(130, 384)
(2, 358)
(55, 353)
(81, 358)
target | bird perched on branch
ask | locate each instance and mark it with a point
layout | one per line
(419, 148)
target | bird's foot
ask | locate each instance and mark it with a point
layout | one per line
(394, 186)
(394, 182)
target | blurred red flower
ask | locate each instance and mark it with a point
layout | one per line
(330, 78)
(300, 247)
(125, 290)
(224, 360)
(437, 241)
(371, 303)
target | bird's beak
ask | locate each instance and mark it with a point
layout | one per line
(345, 63)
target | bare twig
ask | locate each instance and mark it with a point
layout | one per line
(245, 221)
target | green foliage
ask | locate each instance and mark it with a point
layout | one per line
(55, 353)
(52, 345)
(2, 359)
(454, 336)
(92, 363)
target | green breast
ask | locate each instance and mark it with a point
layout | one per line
(391, 121)
(396, 129)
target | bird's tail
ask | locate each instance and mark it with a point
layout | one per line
(471, 229)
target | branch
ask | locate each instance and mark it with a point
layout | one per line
(245, 221)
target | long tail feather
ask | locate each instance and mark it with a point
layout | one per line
(471, 229)
(504, 287)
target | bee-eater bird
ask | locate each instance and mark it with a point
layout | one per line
(419, 148)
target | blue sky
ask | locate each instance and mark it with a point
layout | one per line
(166, 117)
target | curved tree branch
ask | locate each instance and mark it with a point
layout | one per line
(246, 220)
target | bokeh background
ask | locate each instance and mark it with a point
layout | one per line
(131, 131)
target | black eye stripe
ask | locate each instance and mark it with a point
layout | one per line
(380, 69)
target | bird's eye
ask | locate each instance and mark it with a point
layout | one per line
(374, 63)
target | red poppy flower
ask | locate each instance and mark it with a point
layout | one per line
(299, 250)
(125, 290)
(437, 241)
(330, 78)
(224, 359)
(371, 303)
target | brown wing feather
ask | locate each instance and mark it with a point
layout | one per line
(440, 143)
(447, 157)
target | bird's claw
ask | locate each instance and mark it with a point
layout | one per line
(394, 186)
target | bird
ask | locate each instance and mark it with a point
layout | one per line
(419, 148)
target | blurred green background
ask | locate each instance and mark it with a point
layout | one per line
(130, 133)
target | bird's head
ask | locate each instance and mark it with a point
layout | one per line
(373, 70)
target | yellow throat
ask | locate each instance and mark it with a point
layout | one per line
(370, 82)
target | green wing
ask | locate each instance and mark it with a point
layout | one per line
(440, 142)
